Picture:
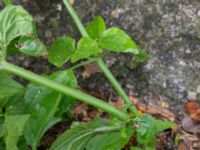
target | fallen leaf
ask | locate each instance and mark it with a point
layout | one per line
(188, 142)
(153, 109)
(90, 69)
(191, 107)
(71, 2)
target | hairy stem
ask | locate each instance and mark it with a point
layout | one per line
(64, 90)
(100, 61)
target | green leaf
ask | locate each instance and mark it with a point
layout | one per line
(15, 22)
(8, 86)
(163, 125)
(44, 104)
(31, 46)
(78, 136)
(14, 126)
(61, 51)
(96, 27)
(15, 105)
(40, 118)
(145, 128)
(7, 2)
(12, 48)
(117, 40)
(2, 118)
(142, 56)
(109, 141)
(136, 148)
(86, 48)
(67, 78)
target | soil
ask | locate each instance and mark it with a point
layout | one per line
(168, 30)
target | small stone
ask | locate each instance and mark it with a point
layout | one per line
(198, 89)
(59, 7)
(129, 86)
(182, 63)
(198, 13)
(188, 51)
(192, 95)
(114, 14)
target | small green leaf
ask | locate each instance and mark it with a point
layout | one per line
(96, 27)
(15, 22)
(14, 126)
(31, 46)
(8, 86)
(117, 40)
(123, 132)
(78, 136)
(61, 51)
(86, 48)
(142, 56)
(145, 128)
(163, 125)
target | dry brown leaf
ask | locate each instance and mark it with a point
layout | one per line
(90, 69)
(71, 2)
(188, 142)
(153, 109)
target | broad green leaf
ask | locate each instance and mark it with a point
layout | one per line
(151, 145)
(109, 141)
(163, 125)
(8, 86)
(96, 27)
(78, 136)
(31, 46)
(145, 128)
(15, 105)
(86, 48)
(44, 104)
(40, 118)
(2, 144)
(15, 22)
(61, 51)
(117, 40)
(2, 118)
(67, 102)
(14, 126)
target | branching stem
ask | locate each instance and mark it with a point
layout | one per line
(101, 63)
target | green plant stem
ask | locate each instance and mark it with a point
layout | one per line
(83, 63)
(75, 17)
(116, 85)
(64, 89)
(101, 63)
